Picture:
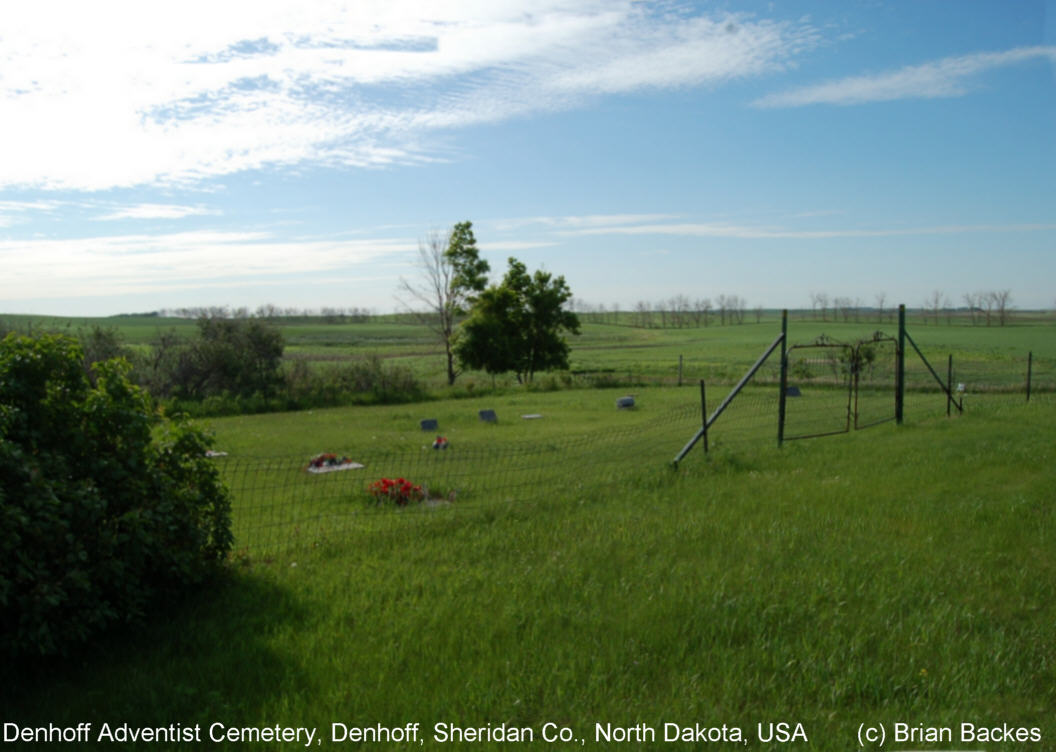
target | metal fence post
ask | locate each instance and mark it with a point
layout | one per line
(704, 414)
(783, 380)
(949, 384)
(900, 369)
(1030, 368)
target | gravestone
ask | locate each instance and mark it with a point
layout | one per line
(623, 402)
(793, 391)
(488, 416)
(531, 416)
(429, 424)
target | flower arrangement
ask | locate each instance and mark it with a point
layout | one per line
(327, 462)
(440, 443)
(400, 491)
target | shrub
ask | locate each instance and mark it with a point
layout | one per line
(101, 509)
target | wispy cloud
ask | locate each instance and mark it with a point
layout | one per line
(181, 92)
(15, 212)
(579, 222)
(157, 211)
(517, 245)
(119, 264)
(717, 230)
(949, 77)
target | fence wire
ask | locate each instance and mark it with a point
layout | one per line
(279, 506)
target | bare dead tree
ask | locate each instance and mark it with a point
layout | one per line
(740, 305)
(723, 304)
(823, 304)
(703, 306)
(450, 272)
(971, 300)
(881, 297)
(1003, 303)
(934, 304)
(986, 300)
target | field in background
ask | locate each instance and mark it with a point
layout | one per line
(620, 354)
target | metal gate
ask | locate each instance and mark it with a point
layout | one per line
(835, 386)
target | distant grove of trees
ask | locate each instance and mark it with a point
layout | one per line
(271, 312)
(989, 308)
(986, 307)
(672, 313)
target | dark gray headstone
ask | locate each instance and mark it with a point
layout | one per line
(623, 402)
(429, 424)
(793, 391)
(488, 416)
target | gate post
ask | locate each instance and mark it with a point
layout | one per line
(900, 367)
(784, 379)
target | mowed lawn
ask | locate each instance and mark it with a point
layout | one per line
(900, 574)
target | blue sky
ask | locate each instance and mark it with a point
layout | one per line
(197, 153)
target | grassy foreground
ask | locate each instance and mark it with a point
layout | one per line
(893, 575)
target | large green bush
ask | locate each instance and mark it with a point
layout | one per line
(103, 506)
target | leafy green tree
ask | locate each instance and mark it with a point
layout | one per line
(103, 507)
(237, 356)
(100, 344)
(451, 276)
(519, 325)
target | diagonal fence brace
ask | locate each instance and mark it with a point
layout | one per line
(729, 398)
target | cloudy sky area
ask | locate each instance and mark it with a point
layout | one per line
(182, 154)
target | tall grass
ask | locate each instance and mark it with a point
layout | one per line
(901, 573)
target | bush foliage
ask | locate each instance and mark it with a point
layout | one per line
(103, 506)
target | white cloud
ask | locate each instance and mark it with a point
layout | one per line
(15, 212)
(949, 77)
(157, 211)
(580, 221)
(716, 230)
(517, 245)
(95, 97)
(121, 264)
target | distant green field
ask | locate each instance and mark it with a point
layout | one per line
(984, 357)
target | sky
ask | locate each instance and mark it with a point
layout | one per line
(179, 154)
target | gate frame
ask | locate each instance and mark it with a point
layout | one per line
(853, 380)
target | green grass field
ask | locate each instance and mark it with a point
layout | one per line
(991, 357)
(899, 574)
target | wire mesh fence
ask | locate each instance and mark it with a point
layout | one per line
(278, 505)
